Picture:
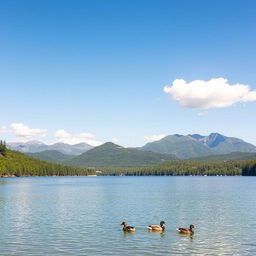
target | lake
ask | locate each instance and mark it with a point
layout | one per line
(82, 215)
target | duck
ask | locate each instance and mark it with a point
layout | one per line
(160, 227)
(127, 228)
(189, 231)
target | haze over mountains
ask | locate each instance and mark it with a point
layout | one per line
(37, 146)
(172, 147)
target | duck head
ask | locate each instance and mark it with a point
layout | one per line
(162, 223)
(123, 224)
(192, 227)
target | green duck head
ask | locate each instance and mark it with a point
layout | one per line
(162, 223)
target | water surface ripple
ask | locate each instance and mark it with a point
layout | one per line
(82, 215)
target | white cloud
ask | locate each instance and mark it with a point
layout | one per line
(3, 129)
(65, 137)
(23, 131)
(215, 93)
(115, 140)
(154, 137)
(62, 134)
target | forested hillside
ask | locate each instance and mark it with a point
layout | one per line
(235, 156)
(13, 163)
(110, 154)
(52, 156)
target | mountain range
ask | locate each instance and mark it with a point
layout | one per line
(196, 145)
(110, 154)
(214, 147)
(37, 146)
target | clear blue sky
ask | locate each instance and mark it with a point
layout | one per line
(100, 66)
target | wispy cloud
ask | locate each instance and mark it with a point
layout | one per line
(25, 132)
(115, 140)
(202, 113)
(154, 137)
(215, 93)
(65, 137)
(3, 129)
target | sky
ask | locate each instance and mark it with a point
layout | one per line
(126, 71)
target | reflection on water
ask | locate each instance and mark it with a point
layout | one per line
(82, 215)
(2, 181)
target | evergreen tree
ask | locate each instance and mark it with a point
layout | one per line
(3, 149)
(249, 169)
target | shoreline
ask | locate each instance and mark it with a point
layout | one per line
(8, 176)
(35, 176)
(27, 176)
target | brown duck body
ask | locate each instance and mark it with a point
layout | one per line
(189, 231)
(156, 228)
(160, 227)
(127, 228)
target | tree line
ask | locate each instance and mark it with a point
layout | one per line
(249, 168)
(186, 168)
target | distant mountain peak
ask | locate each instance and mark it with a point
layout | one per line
(196, 136)
(196, 145)
(216, 134)
(38, 146)
(178, 135)
(214, 139)
(60, 143)
(81, 144)
(110, 144)
(34, 142)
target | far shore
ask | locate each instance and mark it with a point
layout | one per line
(14, 176)
(93, 175)
(8, 176)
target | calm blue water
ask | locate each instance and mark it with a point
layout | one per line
(81, 215)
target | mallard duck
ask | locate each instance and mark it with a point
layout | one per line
(160, 227)
(189, 231)
(127, 228)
